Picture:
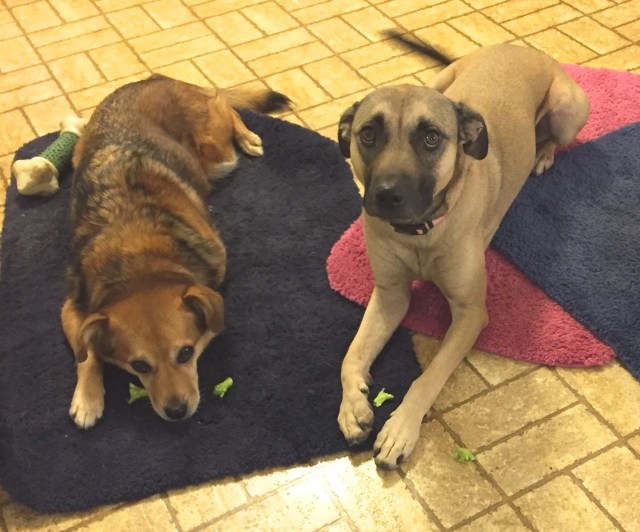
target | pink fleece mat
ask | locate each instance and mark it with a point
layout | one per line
(524, 323)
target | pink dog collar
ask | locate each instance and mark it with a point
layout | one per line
(417, 229)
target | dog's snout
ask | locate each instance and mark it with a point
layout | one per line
(175, 409)
(388, 196)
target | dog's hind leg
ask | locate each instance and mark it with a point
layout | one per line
(247, 140)
(87, 404)
(564, 113)
(215, 138)
(387, 307)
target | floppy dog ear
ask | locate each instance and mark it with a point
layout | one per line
(344, 129)
(207, 305)
(472, 132)
(92, 334)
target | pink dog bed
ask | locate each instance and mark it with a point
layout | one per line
(524, 323)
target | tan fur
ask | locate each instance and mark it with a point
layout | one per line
(527, 101)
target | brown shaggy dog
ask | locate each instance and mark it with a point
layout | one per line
(146, 260)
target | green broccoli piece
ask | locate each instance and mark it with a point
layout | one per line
(464, 455)
(223, 387)
(381, 398)
(135, 393)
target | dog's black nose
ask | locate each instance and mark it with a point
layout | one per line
(175, 409)
(388, 197)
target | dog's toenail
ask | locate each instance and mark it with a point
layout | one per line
(400, 459)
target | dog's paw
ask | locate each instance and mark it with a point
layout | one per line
(397, 439)
(251, 144)
(87, 407)
(355, 417)
(545, 157)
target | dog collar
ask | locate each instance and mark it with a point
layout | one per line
(417, 229)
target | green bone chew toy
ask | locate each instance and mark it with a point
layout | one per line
(39, 176)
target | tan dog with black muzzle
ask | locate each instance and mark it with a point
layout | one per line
(440, 167)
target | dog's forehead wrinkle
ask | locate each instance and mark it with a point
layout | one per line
(403, 107)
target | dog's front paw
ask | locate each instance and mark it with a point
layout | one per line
(397, 439)
(251, 144)
(87, 407)
(355, 417)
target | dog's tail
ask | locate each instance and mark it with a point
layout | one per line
(261, 100)
(419, 46)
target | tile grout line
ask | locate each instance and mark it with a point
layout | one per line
(595, 500)
(586, 62)
(164, 497)
(588, 16)
(489, 390)
(228, 47)
(566, 470)
(97, 514)
(344, 515)
(334, 54)
(630, 447)
(522, 430)
(477, 372)
(338, 56)
(253, 500)
(46, 65)
(582, 15)
(125, 41)
(505, 499)
(420, 499)
(591, 409)
(259, 78)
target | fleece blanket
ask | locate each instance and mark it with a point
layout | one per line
(287, 332)
(576, 234)
(524, 322)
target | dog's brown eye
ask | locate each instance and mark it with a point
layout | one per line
(432, 139)
(140, 366)
(185, 354)
(368, 135)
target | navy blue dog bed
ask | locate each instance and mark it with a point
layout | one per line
(575, 232)
(287, 332)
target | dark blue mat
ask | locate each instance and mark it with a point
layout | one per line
(287, 332)
(575, 232)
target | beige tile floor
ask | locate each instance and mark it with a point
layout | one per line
(556, 449)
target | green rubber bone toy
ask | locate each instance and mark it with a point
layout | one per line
(39, 176)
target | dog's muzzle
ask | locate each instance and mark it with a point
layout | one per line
(401, 204)
(390, 201)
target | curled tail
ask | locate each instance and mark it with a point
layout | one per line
(419, 46)
(261, 100)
